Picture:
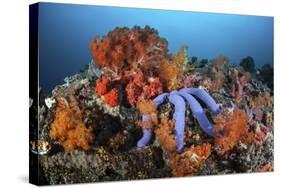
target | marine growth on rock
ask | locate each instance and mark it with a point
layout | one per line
(140, 112)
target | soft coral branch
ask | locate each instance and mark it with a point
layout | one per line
(68, 126)
(230, 128)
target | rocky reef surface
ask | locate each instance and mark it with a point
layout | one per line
(89, 126)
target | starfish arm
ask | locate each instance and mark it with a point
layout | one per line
(160, 99)
(199, 113)
(147, 133)
(179, 117)
(145, 138)
(205, 97)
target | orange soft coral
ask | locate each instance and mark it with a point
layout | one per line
(68, 126)
(171, 72)
(180, 58)
(146, 107)
(190, 161)
(80, 137)
(164, 134)
(266, 168)
(111, 98)
(168, 73)
(230, 128)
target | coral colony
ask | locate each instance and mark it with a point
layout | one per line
(139, 112)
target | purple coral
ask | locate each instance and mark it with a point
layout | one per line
(177, 98)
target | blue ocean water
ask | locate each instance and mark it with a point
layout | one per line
(65, 31)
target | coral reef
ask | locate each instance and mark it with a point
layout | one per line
(103, 166)
(137, 60)
(139, 112)
(239, 80)
(218, 69)
(266, 75)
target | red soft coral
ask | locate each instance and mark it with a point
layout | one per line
(131, 58)
(102, 86)
(111, 98)
(139, 89)
(152, 89)
(134, 87)
(137, 47)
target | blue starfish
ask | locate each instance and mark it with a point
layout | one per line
(178, 99)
